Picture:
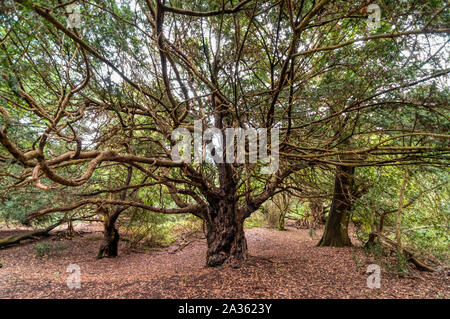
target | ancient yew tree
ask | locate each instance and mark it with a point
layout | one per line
(106, 94)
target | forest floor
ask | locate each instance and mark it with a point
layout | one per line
(282, 264)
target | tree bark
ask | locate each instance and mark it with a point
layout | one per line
(336, 227)
(110, 244)
(225, 235)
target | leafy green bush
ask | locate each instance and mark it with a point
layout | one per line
(158, 230)
(425, 218)
(257, 219)
(48, 248)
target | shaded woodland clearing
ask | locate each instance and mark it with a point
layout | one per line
(282, 264)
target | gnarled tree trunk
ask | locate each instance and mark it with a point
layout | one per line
(110, 244)
(225, 235)
(336, 227)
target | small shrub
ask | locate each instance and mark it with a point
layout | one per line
(48, 249)
(159, 230)
(41, 249)
(257, 219)
(268, 216)
(397, 264)
(402, 263)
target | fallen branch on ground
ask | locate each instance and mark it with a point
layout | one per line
(14, 240)
(409, 254)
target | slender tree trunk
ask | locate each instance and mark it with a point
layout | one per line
(70, 230)
(225, 235)
(110, 244)
(282, 203)
(336, 227)
(398, 224)
(281, 221)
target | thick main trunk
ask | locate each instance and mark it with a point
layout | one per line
(336, 227)
(110, 244)
(225, 235)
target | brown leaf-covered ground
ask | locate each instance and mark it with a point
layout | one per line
(282, 264)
